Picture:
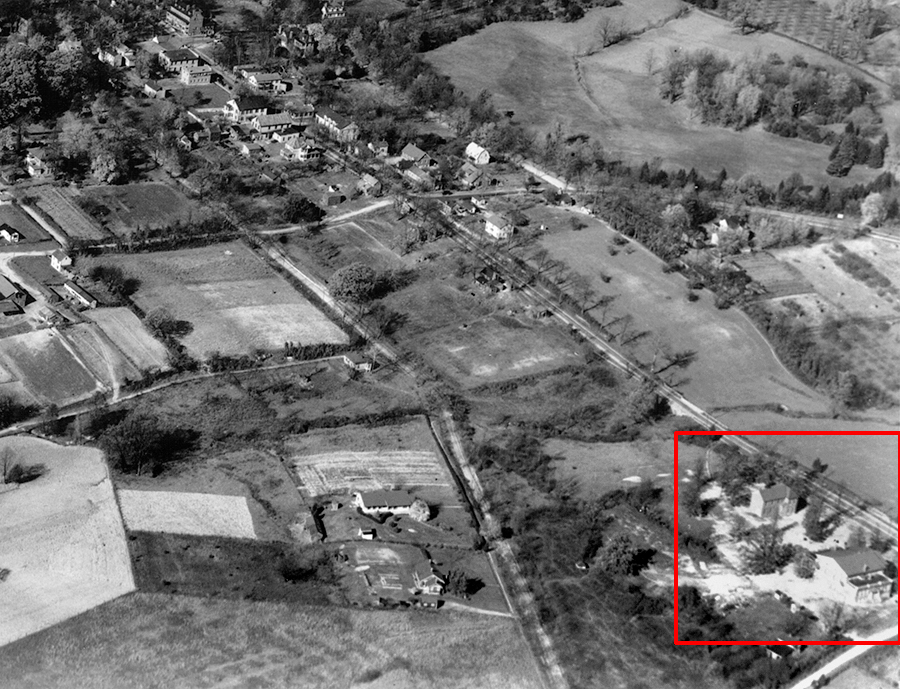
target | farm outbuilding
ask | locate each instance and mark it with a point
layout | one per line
(477, 154)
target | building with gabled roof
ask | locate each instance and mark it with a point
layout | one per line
(497, 226)
(477, 154)
(376, 501)
(269, 124)
(243, 110)
(854, 575)
(12, 299)
(340, 127)
(185, 18)
(773, 502)
(175, 60)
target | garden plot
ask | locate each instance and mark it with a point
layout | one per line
(148, 205)
(127, 332)
(102, 359)
(47, 367)
(72, 221)
(340, 472)
(195, 514)
(780, 279)
(235, 303)
(61, 537)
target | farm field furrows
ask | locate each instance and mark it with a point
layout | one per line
(127, 332)
(232, 299)
(46, 367)
(182, 641)
(103, 360)
(549, 73)
(195, 514)
(340, 472)
(657, 304)
(61, 537)
(73, 221)
(148, 205)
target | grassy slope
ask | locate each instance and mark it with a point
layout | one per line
(154, 640)
(531, 68)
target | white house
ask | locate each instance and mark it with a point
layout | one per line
(376, 501)
(477, 154)
(430, 583)
(339, 127)
(497, 226)
(243, 110)
(60, 260)
(854, 575)
(196, 76)
(265, 81)
(175, 60)
(34, 163)
(302, 150)
(269, 124)
(80, 294)
(774, 502)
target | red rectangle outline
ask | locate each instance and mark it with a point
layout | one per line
(772, 643)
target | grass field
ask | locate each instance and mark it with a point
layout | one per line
(657, 304)
(127, 332)
(193, 514)
(149, 205)
(232, 299)
(549, 72)
(46, 367)
(73, 221)
(184, 642)
(19, 220)
(61, 537)
(106, 363)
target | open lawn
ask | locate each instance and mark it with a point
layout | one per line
(61, 537)
(184, 642)
(232, 299)
(18, 219)
(193, 514)
(127, 332)
(658, 306)
(552, 72)
(149, 205)
(46, 366)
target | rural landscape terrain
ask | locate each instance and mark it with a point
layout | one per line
(548, 344)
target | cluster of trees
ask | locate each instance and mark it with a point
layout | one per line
(742, 93)
(114, 279)
(297, 208)
(12, 411)
(142, 443)
(358, 283)
(853, 149)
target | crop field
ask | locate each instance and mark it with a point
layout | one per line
(193, 514)
(780, 279)
(180, 641)
(106, 363)
(148, 205)
(127, 332)
(551, 72)
(74, 222)
(658, 306)
(46, 367)
(61, 537)
(234, 302)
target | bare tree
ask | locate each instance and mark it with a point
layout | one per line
(650, 62)
(7, 460)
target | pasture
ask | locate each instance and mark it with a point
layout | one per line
(193, 514)
(234, 302)
(45, 365)
(57, 205)
(551, 72)
(147, 205)
(61, 537)
(657, 305)
(180, 641)
(129, 335)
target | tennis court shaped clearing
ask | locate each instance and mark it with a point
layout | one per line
(61, 537)
(193, 514)
(234, 302)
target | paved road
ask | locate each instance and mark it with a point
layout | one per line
(851, 654)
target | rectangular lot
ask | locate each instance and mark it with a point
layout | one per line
(194, 514)
(127, 332)
(148, 205)
(103, 360)
(232, 299)
(46, 367)
(19, 220)
(72, 221)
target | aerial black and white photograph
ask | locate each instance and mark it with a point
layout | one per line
(452, 344)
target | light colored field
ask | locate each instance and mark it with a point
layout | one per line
(72, 220)
(127, 332)
(102, 359)
(61, 537)
(185, 642)
(538, 70)
(235, 303)
(341, 472)
(148, 205)
(194, 514)
(778, 277)
(45, 365)
(733, 362)
(836, 285)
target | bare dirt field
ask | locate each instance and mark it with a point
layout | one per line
(127, 332)
(549, 72)
(235, 303)
(180, 641)
(106, 363)
(658, 305)
(74, 222)
(46, 367)
(148, 205)
(194, 514)
(61, 537)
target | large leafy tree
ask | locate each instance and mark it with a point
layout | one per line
(355, 283)
(764, 552)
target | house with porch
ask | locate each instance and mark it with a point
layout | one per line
(339, 127)
(854, 575)
(243, 110)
